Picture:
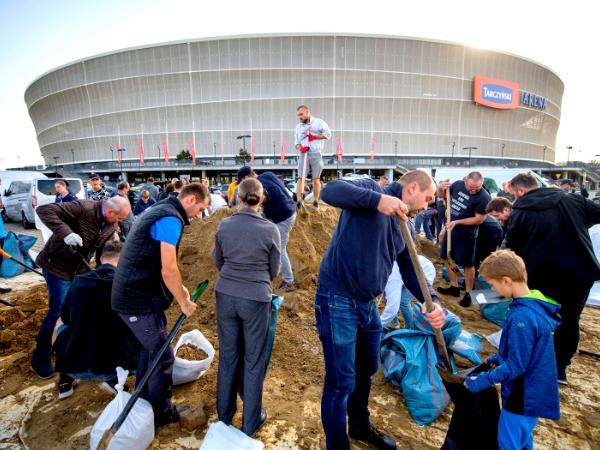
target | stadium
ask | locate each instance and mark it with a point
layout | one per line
(184, 107)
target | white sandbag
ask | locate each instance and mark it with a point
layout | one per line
(185, 371)
(136, 433)
(221, 436)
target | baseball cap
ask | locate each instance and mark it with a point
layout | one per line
(243, 172)
(95, 176)
(566, 181)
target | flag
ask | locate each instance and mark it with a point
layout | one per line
(338, 149)
(166, 152)
(253, 151)
(283, 148)
(140, 146)
(192, 151)
(118, 155)
(373, 143)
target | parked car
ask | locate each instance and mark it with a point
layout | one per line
(8, 176)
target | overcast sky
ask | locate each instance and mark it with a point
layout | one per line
(36, 36)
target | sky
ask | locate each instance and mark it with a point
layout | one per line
(37, 36)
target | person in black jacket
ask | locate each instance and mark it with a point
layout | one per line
(548, 228)
(91, 339)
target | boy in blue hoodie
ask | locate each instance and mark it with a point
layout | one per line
(525, 365)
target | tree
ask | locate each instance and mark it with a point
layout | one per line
(242, 157)
(183, 155)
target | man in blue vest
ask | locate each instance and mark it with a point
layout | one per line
(146, 282)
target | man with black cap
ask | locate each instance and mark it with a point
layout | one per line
(567, 185)
(278, 207)
(98, 191)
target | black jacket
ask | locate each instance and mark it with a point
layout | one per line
(548, 228)
(96, 338)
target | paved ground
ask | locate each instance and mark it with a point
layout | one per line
(17, 228)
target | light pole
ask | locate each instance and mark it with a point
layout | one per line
(452, 153)
(121, 150)
(56, 158)
(112, 155)
(273, 152)
(569, 148)
(72, 155)
(544, 155)
(215, 149)
(396, 152)
(243, 138)
(470, 148)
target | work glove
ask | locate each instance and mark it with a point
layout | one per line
(73, 240)
(304, 149)
(312, 137)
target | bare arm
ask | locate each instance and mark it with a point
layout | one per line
(172, 278)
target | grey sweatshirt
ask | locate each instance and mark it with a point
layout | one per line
(248, 255)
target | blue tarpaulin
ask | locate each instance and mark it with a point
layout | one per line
(17, 247)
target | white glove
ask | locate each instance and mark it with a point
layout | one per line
(73, 239)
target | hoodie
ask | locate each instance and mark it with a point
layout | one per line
(548, 228)
(525, 363)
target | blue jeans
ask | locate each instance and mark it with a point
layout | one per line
(350, 332)
(423, 219)
(57, 291)
(515, 432)
(405, 309)
(284, 230)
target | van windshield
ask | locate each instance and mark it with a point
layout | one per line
(46, 187)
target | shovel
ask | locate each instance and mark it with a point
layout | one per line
(6, 255)
(451, 262)
(108, 434)
(75, 249)
(303, 209)
(445, 373)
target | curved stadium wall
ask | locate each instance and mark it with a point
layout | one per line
(380, 95)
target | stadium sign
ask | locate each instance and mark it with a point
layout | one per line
(494, 93)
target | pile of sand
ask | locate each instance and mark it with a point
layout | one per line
(294, 383)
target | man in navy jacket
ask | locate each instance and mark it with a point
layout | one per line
(353, 273)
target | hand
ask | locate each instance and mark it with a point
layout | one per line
(188, 307)
(450, 225)
(442, 234)
(437, 317)
(73, 239)
(392, 206)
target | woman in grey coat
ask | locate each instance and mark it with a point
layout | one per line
(247, 254)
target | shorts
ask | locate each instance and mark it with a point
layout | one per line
(314, 165)
(463, 250)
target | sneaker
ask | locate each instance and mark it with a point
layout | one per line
(5, 289)
(374, 437)
(562, 377)
(43, 369)
(466, 300)
(263, 419)
(287, 287)
(171, 417)
(453, 291)
(316, 204)
(65, 386)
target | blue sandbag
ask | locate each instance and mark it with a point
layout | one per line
(495, 312)
(467, 345)
(17, 247)
(276, 302)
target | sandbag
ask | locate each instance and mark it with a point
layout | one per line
(467, 345)
(18, 247)
(220, 436)
(495, 312)
(474, 423)
(136, 432)
(276, 302)
(185, 371)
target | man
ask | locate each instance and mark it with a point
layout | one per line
(468, 202)
(278, 207)
(505, 191)
(353, 274)
(309, 136)
(499, 208)
(548, 228)
(383, 181)
(63, 194)
(80, 227)
(91, 339)
(150, 187)
(177, 187)
(125, 224)
(98, 190)
(567, 185)
(146, 282)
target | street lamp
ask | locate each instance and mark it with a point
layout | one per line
(112, 155)
(121, 150)
(274, 153)
(243, 138)
(215, 149)
(544, 157)
(396, 152)
(569, 148)
(470, 148)
(72, 155)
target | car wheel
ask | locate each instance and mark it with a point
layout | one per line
(26, 223)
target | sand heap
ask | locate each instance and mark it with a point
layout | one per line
(294, 383)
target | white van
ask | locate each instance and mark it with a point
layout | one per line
(8, 176)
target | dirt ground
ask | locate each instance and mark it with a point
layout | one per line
(31, 416)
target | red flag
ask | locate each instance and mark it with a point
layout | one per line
(166, 152)
(339, 151)
(373, 143)
(140, 146)
(118, 154)
(283, 148)
(253, 151)
(192, 150)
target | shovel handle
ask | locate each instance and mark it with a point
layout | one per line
(8, 256)
(448, 220)
(412, 250)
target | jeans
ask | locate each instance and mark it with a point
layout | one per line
(151, 331)
(243, 327)
(57, 291)
(284, 230)
(423, 219)
(350, 332)
(397, 297)
(515, 432)
(441, 217)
